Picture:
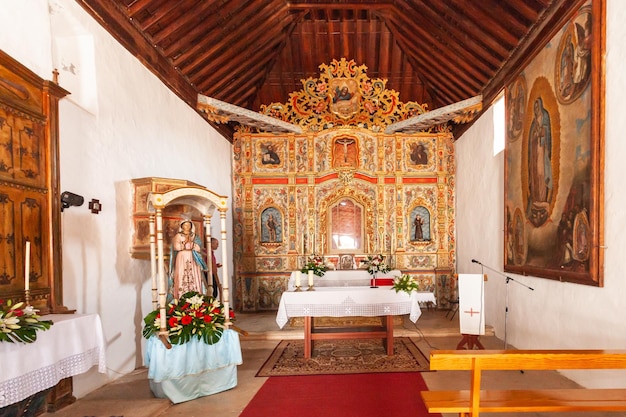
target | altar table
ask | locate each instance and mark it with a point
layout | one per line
(340, 278)
(193, 369)
(349, 302)
(72, 345)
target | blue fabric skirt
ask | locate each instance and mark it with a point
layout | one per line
(194, 369)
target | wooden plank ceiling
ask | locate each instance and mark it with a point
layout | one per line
(249, 53)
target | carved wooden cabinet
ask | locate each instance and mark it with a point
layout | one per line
(29, 186)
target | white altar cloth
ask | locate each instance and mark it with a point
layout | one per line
(340, 278)
(72, 345)
(350, 301)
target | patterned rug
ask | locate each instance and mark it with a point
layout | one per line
(344, 357)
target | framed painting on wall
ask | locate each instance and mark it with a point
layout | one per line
(553, 155)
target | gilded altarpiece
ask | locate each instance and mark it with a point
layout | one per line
(401, 184)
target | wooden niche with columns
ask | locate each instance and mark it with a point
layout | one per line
(342, 187)
(30, 203)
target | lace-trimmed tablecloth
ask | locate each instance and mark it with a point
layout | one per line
(72, 345)
(340, 278)
(350, 301)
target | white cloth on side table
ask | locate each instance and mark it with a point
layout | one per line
(72, 345)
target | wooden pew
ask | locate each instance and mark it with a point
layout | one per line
(474, 401)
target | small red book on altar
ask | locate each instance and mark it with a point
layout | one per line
(382, 282)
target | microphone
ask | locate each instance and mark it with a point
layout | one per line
(474, 261)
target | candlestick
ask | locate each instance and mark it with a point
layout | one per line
(310, 273)
(298, 278)
(27, 267)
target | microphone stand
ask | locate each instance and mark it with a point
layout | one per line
(506, 298)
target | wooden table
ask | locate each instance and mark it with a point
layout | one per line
(311, 333)
(349, 302)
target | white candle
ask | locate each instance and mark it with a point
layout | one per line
(310, 278)
(298, 278)
(27, 267)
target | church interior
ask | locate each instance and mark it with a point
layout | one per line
(446, 137)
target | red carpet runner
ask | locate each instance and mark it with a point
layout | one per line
(356, 395)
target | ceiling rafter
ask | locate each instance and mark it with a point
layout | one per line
(257, 52)
(260, 38)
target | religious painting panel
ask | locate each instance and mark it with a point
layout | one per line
(270, 154)
(419, 154)
(346, 261)
(345, 97)
(553, 154)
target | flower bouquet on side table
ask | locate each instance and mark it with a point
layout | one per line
(376, 265)
(20, 323)
(192, 316)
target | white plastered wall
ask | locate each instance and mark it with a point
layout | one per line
(120, 123)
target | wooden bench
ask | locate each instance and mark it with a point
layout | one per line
(474, 401)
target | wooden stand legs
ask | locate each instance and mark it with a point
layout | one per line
(384, 332)
(470, 341)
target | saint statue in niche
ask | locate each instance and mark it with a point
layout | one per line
(271, 226)
(421, 224)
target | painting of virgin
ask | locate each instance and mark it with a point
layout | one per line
(552, 157)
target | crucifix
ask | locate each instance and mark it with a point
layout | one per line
(345, 142)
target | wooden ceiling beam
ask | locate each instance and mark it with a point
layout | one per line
(138, 6)
(462, 26)
(222, 80)
(183, 23)
(456, 54)
(253, 76)
(157, 15)
(484, 24)
(205, 51)
(233, 54)
(333, 5)
(197, 34)
(473, 76)
(267, 42)
(433, 74)
(456, 39)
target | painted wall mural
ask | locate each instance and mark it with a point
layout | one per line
(553, 156)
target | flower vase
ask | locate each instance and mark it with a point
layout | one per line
(373, 280)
